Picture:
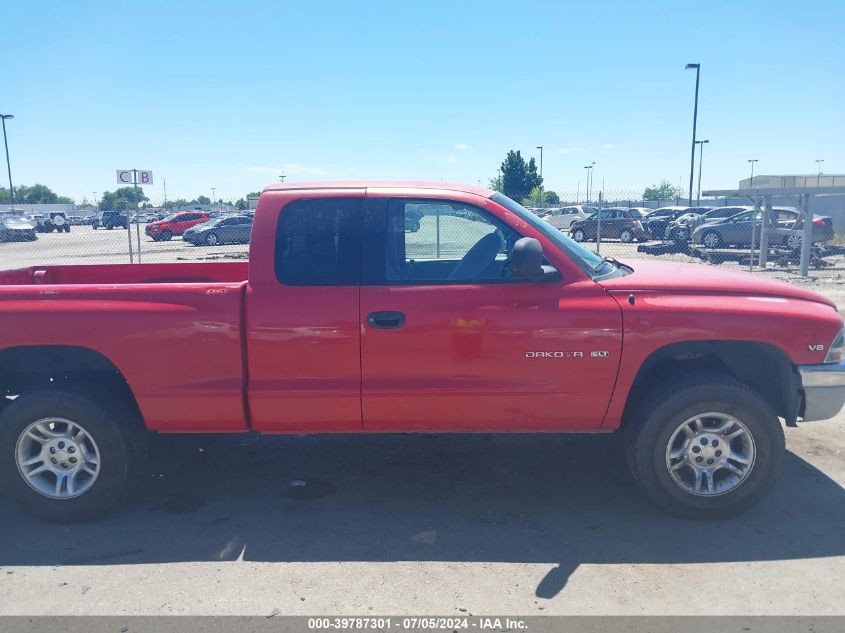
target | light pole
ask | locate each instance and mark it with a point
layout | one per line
(589, 179)
(700, 157)
(694, 122)
(213, 189)
(819, 162)
(752, 161)
(95, 199)
(282, 178)
(8, 164)
(540, 147)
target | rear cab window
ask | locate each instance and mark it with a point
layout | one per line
(318, 242)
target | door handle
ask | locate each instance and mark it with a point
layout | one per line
(386, 320)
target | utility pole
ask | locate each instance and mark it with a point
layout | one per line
(96, 204)
(164, 182)
(137, 219)
(213, 189)
(589, 169)
(542, 187)
(282, 178)
(700, 160)
(819, 162)
(694, 122)
(752, 161)
(8, 164)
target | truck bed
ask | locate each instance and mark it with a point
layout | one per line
(174, 332)
(175, 273)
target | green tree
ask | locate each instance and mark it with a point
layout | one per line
(203, 200)
(241, 204)
(121, 199)
(519, 177)
(36, 194)
(551, 197)
(663, 191)
(533, 199)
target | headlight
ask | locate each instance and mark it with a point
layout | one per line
(834, 352)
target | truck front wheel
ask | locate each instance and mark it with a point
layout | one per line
(705, 446)
(64, 457)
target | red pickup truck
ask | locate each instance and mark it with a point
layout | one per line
(474, 316)
(176, 224)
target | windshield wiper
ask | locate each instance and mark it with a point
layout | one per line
(617, 263)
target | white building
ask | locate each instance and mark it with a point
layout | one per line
(787, 182)
(44, 209)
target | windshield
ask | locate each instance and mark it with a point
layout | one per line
(593, 265)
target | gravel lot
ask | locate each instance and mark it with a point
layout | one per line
(426, 524)
(84, 245)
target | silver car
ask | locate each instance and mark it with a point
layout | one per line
(564, 217)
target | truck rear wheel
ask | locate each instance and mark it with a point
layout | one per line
(705, 446)
(64, 457)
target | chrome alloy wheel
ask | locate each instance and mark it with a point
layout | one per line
(710, 454)
(711, 240)
(57, 458)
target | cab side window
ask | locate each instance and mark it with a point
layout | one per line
(439, 241)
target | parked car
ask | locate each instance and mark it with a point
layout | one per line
(231, 229)
(55, 221)
(737, 229)
(680, 229)
(564, 217)
(616, 223)
(343, 322)
(642, 212)
(75, 220)
(176, 224)
(110, 220)
(16, 228)
(788, 222)
(659, 219)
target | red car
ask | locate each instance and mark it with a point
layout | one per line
(480, 317)
(176, 224)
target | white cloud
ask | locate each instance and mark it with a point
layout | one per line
(608, 146)
(566, 150)
(462, 146)
(288, 169)
(452, 160)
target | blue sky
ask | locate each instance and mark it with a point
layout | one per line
(227, 95)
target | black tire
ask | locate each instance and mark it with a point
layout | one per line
(579, 235)
(166, 235)
(626, 237)
(109, 226)
(659, 413)
(211, 239)
(112, 428)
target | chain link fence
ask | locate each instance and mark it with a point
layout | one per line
(739, 233)
(622, 225)
(65, 238)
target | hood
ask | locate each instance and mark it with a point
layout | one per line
(661, 276)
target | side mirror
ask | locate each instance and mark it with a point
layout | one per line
(527, 262)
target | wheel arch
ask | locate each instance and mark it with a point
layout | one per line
(778, 384)
(82, 369)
